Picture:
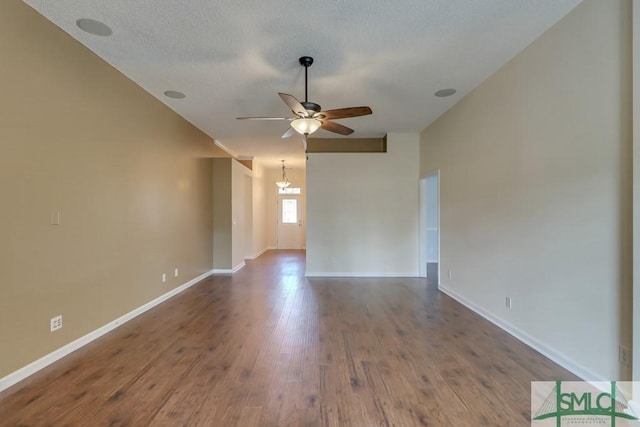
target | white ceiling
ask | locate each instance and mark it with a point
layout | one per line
(231, 57)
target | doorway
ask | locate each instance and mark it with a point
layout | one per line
(430, 228)
(289, 230)
(248, 217)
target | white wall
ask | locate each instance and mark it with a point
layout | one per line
(432, 218)
(363, 211)
(535, 190)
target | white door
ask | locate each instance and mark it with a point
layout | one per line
(289, 223)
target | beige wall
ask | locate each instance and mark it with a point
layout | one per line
(636, 191)
(232, 214)
(222, 215)
(363, 211)
(129, 177)
(535, 180)
(240, 215)
(259, 203)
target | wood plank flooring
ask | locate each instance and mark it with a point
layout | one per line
(267, 347)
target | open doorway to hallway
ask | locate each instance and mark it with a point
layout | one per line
(287, 210)
(290, 222)
(430, 228)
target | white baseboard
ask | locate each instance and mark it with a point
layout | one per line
(554, 355)
(58, 354)
(361, 274)
(257, 254)
(229, 271)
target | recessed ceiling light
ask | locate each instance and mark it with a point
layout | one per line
(94, 27)
(175, 94)
(443, 93)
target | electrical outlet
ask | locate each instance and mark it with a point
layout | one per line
(175, 273)
(450, 274)
(56, 323)
(624, 355)
(507, 302)
(164, 277)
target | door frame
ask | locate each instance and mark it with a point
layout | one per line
(422, 268)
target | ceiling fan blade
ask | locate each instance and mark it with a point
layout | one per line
(264, 118)
(335, 127)
(288, 133)
(294, 104)
(343, 113)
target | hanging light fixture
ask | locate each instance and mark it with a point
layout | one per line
(284, 182)
(306, 126)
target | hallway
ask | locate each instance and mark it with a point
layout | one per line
(268, 347)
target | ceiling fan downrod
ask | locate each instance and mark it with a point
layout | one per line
(312, 107)
(306, 62)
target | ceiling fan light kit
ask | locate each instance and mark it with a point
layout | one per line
(309, 116)
(306, 126)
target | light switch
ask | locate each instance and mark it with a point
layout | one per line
(55, 217)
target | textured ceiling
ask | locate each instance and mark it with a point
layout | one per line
(231, 57)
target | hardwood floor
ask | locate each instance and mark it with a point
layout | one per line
(267, 347)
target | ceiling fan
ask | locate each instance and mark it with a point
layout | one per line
(309, 117)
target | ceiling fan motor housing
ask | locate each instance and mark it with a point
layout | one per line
(311, 106)
(305, 61)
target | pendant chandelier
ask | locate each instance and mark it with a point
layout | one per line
(284, 182)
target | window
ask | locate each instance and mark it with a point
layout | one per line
(289, 211)
(289, 190)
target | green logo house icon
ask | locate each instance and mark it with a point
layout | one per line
(582, 403)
